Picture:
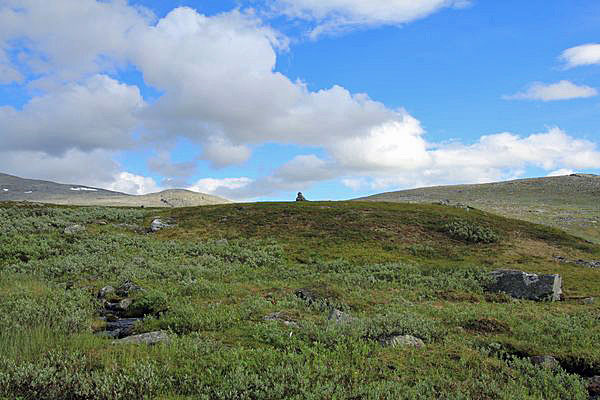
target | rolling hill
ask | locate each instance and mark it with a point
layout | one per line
(569, 202)
(13, 188)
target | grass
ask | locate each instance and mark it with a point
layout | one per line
(394, 268)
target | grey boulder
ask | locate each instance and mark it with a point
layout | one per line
(158, 224)
(545, 361)
(523, 285)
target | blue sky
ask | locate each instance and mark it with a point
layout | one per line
(256, 100)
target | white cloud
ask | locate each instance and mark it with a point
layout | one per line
(98, 113)
(127, 182)
(215, 185)
(563, 90)
(333, 15)
(69, 39)
(222, 153)
(561, 172)
(391, 145)
(586, 54)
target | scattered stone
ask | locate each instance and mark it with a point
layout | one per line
(402, 340)
(105, 291)
(158, 224)
(149, 338)
(523, 285)
(589, 300)
(545, 361)
(300, 197)
(127, 288)
(580, 262)
(339, 316)
(222, 242)
(73, 229)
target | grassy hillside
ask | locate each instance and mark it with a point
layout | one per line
(393, 268)
(569, 202)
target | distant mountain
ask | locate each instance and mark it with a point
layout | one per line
(570, 202)
(13, 188)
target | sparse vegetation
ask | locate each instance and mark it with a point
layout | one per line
(392, 268)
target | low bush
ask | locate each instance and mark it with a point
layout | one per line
(471, 232)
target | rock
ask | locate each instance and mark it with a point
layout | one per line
(149, 338)
(589, 300)
(119, 328)
(120, 306)
(105, 291)
(73, 229)
(158, 224)
(402, 340)
(580, 262)
(222, 242)
(593, 387)
(523, 285)
(306, 295)
(127, 288)
(300, 197)
(545, 361)
(339, 316)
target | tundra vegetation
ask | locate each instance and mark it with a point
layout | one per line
(245, 293)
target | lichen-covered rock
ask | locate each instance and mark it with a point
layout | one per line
(402, 340)
(105, 291)
(545, 361)
(158, 224)
(127, 288)
(523, 285)
(145, 338)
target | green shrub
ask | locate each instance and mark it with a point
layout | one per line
(470, 232)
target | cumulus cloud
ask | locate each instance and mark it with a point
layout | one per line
(219, 186)
(563, 90)
(98, 113)
(492, 158)
(219, 88)
(127, 182)
(586, 54)
(69, 39)
(333, 15)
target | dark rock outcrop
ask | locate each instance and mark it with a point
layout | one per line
(523, 285)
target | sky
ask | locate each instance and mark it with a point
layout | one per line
(256, 100)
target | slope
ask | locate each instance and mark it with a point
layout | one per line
(568, 202)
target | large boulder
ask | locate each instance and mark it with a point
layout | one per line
(300, 197)
(523, 285)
